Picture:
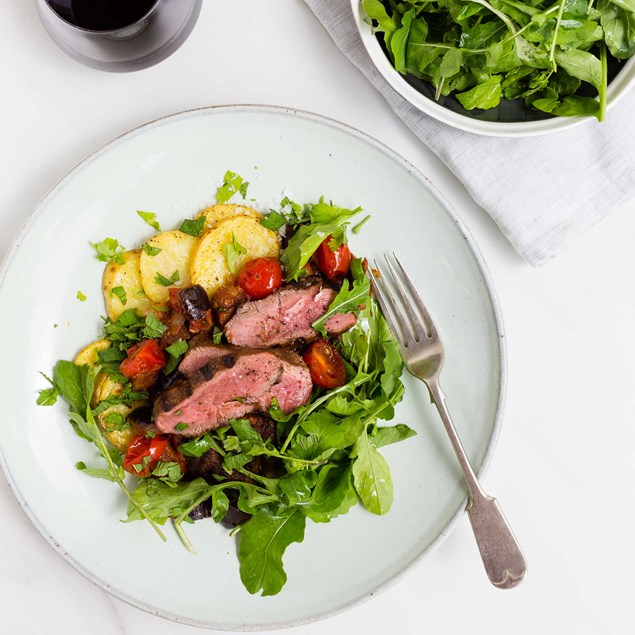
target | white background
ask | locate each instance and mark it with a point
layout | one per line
(565, 462)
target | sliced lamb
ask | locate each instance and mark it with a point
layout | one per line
(231, 386)
(284, 316)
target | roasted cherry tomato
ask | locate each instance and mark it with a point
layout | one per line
(144, 454)
(144, 357)
(260, 277)
(325, 365)
(333, 263)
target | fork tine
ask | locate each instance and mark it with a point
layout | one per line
(388, 308)
(427, 318)
(418, 328)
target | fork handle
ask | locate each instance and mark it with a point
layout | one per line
(501, 554)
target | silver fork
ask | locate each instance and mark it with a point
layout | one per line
(423, 354)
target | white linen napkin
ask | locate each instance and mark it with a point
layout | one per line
(543, 191)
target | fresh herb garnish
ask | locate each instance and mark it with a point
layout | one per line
(151, 219)
(193, 227)
(325, 220)
(81, 297)
(150, 250)
(176, 351)
(233, 251)
(167, 282)
(109, 250)
(179, 427)
(115, 421)
(273, 221)
(232, 183)
(120, 292)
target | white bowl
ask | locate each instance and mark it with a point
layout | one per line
(616, 90)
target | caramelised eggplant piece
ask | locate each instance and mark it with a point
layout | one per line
(197, 309)
(225, 302)
(190, 313)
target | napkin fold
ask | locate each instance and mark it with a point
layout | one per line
(542, 191)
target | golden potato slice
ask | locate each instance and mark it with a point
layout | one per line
(222, 211)
(209, 264)
(88, 355)
(125, 280)
(120, 438)
(172, 262)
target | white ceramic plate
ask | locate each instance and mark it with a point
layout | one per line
(617, 88)
(170, 167)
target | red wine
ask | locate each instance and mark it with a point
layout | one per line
(101, 15)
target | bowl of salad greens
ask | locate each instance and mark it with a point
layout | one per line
(501, 67)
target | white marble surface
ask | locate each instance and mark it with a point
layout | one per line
(564, 466)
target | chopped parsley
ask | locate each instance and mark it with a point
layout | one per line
(193, 227)
(232, 183)
(109, 250)
(151, 219)
(233, 251)
(181, 426)
(176, 351)
(120, 292)
(167, 282)
(81, 297)
(150, 250)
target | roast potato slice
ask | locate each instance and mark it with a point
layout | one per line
(209, 264)
(223, 211)
(172, 262)
(125, 279)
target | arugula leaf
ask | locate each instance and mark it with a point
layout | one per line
(326, 220)
(371, 475)
(332, 495)
(232, 183)
(349, 297)
(161, 501)
(75, 384)
(199, 446)
(193, 227)
(233, 251)
(263, 541)
(391, 434)
(95, 472)
(109, 250)
(48, 396)
(151, 219)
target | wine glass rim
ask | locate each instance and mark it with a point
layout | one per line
(97, 31)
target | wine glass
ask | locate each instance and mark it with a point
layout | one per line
(111, 35)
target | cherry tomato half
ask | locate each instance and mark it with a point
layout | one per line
(260, 277)
(325, 365)
(333, 263)
(144, 357)
(144, 454)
